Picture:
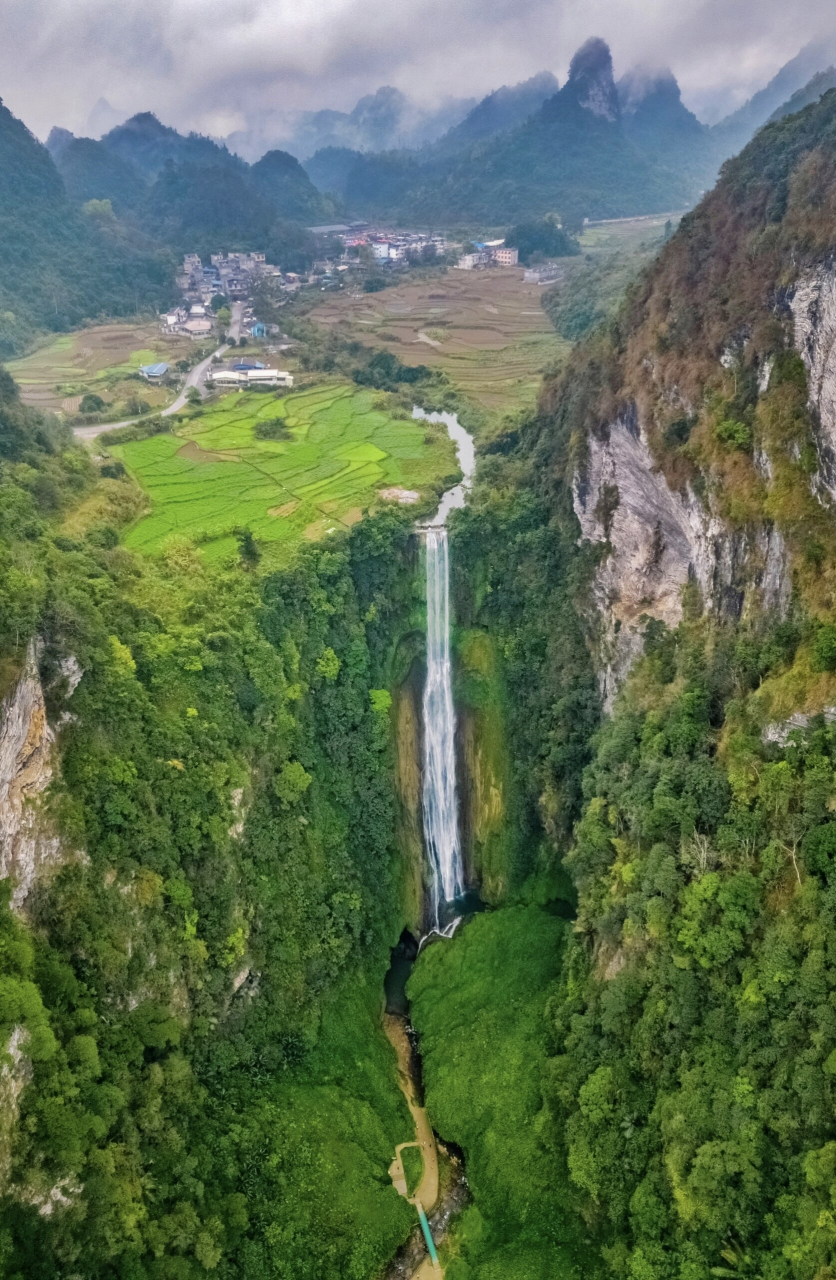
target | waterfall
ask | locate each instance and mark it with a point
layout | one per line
(440, 809)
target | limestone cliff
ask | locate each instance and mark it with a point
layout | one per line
(814, 320)
(657, 541)
(28, 845)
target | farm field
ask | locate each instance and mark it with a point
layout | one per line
(488, 331)
(101, 360)
(335, 451)
(485, 329)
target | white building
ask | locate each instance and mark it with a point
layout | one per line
(547, 274)
(241, 379)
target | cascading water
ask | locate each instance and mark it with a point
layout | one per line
(440, 804)
(439, 799)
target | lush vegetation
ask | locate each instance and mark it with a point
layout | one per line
(687, 1094)
(59, 266)
(340, 448)
(478, 1005)
(543, 238)
(197, 986)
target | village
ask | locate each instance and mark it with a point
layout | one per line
(218, 300)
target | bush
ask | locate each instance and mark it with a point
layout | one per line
(735, 435)
(824, 648)
(91, 403)
(272, 429)
(374, 284)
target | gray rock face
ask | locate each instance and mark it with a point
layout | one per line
(26, 770)
(814, 316)
(660, 540)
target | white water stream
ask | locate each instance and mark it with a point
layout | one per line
(439, 796)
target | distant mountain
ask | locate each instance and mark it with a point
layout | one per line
(279, 178)
(148, 145)
(659, 125)
(331, 167)
(380, 121)
(574, 156)
(206, 201)
(503, 109)
(92, 172)
(819, 85)
(58, 267)
(732, 133)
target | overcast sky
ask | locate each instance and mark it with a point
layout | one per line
(209, 64)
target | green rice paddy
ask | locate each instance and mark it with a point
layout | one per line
(339, 450)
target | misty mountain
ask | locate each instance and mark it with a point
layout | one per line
(732, 133)
(91, 172)
(503, 109)
(573, 156)
(819, 85)
(660, 126)
(58, 267)
(279, 178)
(330, 169)
(147, 144)
(380, 121)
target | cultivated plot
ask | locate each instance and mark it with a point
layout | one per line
(103, 359)
(485, 329)
(287, 468)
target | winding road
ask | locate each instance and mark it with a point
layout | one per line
(196, 377)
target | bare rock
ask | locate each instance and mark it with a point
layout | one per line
(27, 844)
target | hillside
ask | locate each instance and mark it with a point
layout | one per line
(502, 109)
(189, 193)
(57, 266)
(678, 482)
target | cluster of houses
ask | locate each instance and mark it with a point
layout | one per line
(232, 274)
(489, 253)
(193, 322)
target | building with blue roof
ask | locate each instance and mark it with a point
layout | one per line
(153, 372)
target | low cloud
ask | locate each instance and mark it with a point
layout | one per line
(214, 65)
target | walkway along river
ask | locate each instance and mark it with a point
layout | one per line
(443, 844)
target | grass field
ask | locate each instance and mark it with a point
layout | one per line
(101, 360)
(485, 329)
(341, 447)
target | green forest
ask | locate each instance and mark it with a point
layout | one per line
(626, 1049)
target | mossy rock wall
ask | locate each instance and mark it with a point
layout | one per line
(485, 774)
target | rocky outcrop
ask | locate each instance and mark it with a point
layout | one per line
(660, 540)
(814, 316)
(27, 844)
(15, 1073)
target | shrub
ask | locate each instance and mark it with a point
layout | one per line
(272, 429)
(733, 434)
(824, 648)
(91, 403)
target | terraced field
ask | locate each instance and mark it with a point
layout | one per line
(101, 359)
(485, 329)
(340, 450)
